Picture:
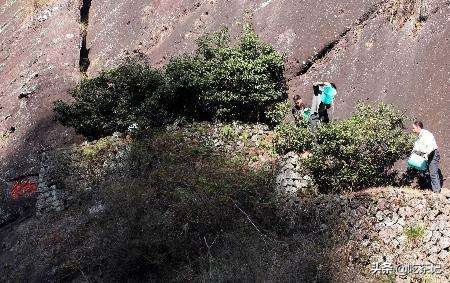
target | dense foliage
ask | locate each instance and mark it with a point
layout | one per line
(220, 81)
(228, 82)
(243, 81)
(116, 99)
(354, 153)
(293, 137)
(278, 112)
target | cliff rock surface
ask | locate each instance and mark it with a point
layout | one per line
(393, 50)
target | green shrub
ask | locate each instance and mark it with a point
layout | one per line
(278, 112)
(227, 82)
(116, 99)
(292, 137)
(359, 152)
(220, 80)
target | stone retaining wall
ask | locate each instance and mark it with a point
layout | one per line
(391, 226)
(5, 216)
(49, 197)
(228, 138)
(292, 180)
(292, 183)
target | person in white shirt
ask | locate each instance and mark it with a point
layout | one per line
(426, 146)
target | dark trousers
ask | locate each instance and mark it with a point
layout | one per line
(433, 168)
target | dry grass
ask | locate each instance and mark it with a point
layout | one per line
(4, 136)
(41, 3)
(176, 211)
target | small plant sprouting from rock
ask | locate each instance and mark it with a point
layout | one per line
(244, 136)
(388, 278)
(40, 3)
(4, 136)
(415, 232)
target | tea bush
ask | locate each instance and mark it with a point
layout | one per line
(292, 137)
(359, 152)
(131, 93)
(278, 112)
(227, 82)
(351, 154)
(220, 81)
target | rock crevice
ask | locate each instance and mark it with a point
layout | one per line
(84, 22)
(330, 46)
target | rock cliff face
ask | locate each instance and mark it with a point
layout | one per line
(39, 56)
(394, 51)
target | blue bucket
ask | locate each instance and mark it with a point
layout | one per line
(418, 162)
(328, 94)
(306, 113)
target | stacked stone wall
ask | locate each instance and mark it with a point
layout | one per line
(50, 197)
(399, 229)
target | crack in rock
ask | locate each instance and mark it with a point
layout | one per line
(304, 68)
(397, 11)
(84, 22)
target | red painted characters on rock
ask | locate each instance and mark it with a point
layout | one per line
(23, 189)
